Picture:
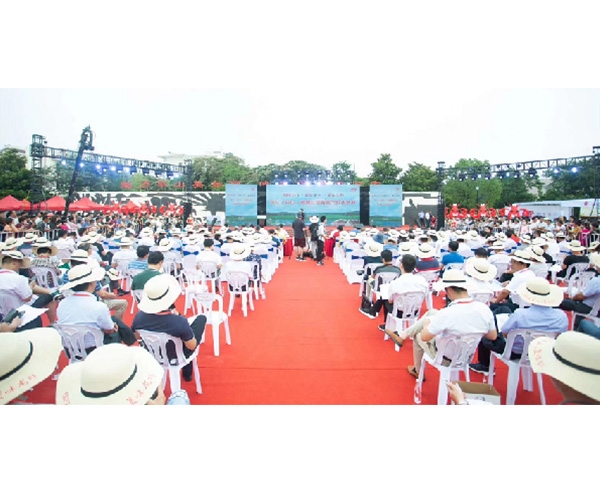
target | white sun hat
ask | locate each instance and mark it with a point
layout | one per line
(453, 277)
(160, 292)
(164, 245)
(481, 269)
(26, 359)
(576, 246)
(425, 251)
(538, 291)
(18, 255)
(125, 241)
(113, 374)
(373, 249)
(83, 274)
(314, 219)
(573, 359)
(239, 251)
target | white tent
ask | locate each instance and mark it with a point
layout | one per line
(589, 207)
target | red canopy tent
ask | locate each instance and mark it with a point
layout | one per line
(55, 204)
(26, 205)
(85, 205)
(130, 207)
(10, 203)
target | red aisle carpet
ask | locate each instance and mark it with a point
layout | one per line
(307, 344)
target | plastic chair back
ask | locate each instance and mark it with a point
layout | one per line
(45, 277)
(410, 304)
(73, 339)
(483, 296)
(459, 349)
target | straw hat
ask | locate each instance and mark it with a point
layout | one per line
(42, 242)
(373, 231)
(595, 259)
(18, 255)
(497, 246)
(402, 233)
(522, 256)
(525, 239)
(29, 238)
(373, 249)
(12, 244)
(452, 277)
(560, 235)
(87, 240)
(125, 241)
(576, 246)
(406, 247)
(538, 241)
(573, 359)
(394, 233)
(538, 291)
(314, 219)
(537, 254)
(239, 251)
(432, 233)
(26, 359)
(119, 234)
(594, 245)
(193, 239)
(418, 232)
(164, 245)
(248, 231)
(481, 269)
(473, 234)
(159, 294)
(81, 274)
(113, 274)
(549, 236)
(425, 251)
(80, 255)
(113, 374)
(344, 235)
(146, 232)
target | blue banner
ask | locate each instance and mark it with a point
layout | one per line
(241, 204)
(339, 203)
(385, 205)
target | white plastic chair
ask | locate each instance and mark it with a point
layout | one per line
(410, 304)
(194, 284)
(460, 351)
(45, 276)
(171, 268)
(458, 266)
(501, 268)
(123, 269)
(367, 271)
(482, 296)
(518, 367)
(156, 343)
(354, 262)
(73, 339)
(257, 284)
(571, 270)
(578, 281)
(214, 317)
(238, 283)
(431, 276)
(211, 273)
(592, 315)
(136, 297)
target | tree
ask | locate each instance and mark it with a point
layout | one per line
(342, 173)
(419, 178)
(474, 189)
(517, 190)
(384, 171)
(210, 169)
(567, 184)
(15, 178)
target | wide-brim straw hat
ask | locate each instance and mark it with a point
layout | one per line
(538, 291)
(29, 238)
(146, 232)
(594, 245)
(239, 251)
(549, 236)
(560, 235)
(12, 243)
(538, 241)
(175, 232)
(526, 239)
(119, 234)
(159, 294)
(473, 234)
(481, 269)
(522, 256)
(394, 233)
(113, 374)
(576, 246)
(18, 255)
(193, 239)
(314, 219)
(373, 249)
(453, 277)
(125, 241)
(81, 274)
(537, 254)
(402, 233)
(80, 255)
(344, 235)
(497, 246)
(164, 245)
(573, 359)
(406, 247)
(595, 259)
(87, 240)
(26, 359)
(425, 251)
(113, 274)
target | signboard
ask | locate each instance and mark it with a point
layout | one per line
(339, 203)
(385, 205)
(241, 204)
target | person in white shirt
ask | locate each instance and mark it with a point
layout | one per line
(146, 238)
(64, 245)
(463, 316)
(239, 252)
(209, 255)
(125, 255)
(519, 268)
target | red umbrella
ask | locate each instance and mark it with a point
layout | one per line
(54, 204)
(10, 203)
(85, 205)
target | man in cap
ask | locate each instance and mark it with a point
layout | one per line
(541, 316)
(83, 308)
(462, 316)
(158, 314)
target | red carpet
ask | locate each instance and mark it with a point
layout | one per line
(307, 344)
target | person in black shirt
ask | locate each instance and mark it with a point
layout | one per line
(299, 237)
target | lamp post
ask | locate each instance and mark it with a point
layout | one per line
(477, 196)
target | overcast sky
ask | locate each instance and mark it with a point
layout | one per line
(345, 85)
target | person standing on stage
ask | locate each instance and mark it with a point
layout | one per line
(299, 237)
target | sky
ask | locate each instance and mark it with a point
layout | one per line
(325, 82)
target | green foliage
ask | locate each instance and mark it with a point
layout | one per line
(465, 193)
(385, 171)
(517, 190)
(419, 178)
(342, 173)
(15, 178)
(567, 185)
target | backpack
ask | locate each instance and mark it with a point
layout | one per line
(314, 236)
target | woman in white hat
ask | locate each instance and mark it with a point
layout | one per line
(112, 375)
(158, 314)
(27, 359)
(541, 316)
(573, 362)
